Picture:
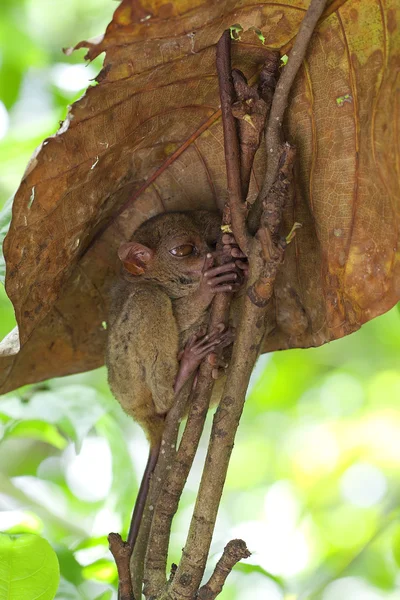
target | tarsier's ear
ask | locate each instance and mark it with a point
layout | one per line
(135, 257)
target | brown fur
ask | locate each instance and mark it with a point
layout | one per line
(153, 314)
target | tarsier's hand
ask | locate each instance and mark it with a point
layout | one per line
(228, 277)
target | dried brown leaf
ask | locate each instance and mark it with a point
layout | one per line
(148, 138)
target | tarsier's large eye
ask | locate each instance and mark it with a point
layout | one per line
(184, 250)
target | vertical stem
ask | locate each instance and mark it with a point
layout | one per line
(231, 141)
(226, 420)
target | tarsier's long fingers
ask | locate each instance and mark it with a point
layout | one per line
(208, 263)
(225, 278)
(225, 268)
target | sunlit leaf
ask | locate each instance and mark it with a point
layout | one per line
(101, 570)
(28, 568)
(376, 567)
(37, 430)
(245, 567)
(70, 569)
(106, 596)
(75, 409)
(396, 545)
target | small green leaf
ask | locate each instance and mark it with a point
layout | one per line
(28, 568)
(258, 33)
(284, 60)
(235, 31)
(36, 430)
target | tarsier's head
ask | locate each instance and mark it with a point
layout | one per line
(170, 249)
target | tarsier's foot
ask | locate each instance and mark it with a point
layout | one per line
(199, 346)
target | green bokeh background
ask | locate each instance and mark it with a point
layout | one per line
(313, 485)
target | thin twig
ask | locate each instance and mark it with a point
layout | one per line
(234, 216)
(273, 133)
(121, 552)
(164, 465)
(268, 233)
(167, 505)
(234, 551)
(245, 352)
(231, 142)
(226, 420)
(252, 109)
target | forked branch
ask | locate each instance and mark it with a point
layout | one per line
(265, 252)
(273, 132)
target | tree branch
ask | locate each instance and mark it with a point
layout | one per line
(167, 505)
(273, 133)
(121, 552)
(251, 109)
(234, 551)
(231, 142)
(186, 580)
(164, 465)
(226, 420)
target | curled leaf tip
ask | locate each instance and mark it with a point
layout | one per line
(292, 233)
(258, 33)
(235, 30)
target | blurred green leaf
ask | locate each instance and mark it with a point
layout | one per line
(249, 569)
(106, 596)
(37, 430)
(123, 488)
(70, 569)
(396, 545)
(28, 568)
(376, 567)
(74, 408)
(101, 570)
(5, 218)
(68, 591)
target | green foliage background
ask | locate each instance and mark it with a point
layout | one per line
(313, 485)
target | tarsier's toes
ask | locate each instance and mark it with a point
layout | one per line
(219, 365)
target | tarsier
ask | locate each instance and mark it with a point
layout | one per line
(159, 307)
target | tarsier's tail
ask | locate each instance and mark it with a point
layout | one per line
(142, 494)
